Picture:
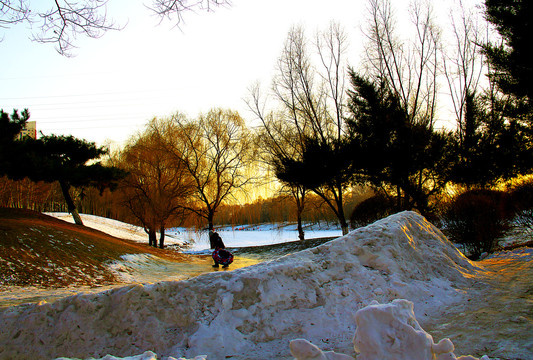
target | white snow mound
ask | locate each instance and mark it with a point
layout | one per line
(252, 313)
(385, 332)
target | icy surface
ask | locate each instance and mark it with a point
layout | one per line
(252, 313)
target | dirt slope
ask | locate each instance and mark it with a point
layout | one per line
(39, 250)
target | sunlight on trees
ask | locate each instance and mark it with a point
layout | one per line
(326, 129)
(158, 184)
(216, 150)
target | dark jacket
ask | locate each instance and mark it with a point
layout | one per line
(216, 241)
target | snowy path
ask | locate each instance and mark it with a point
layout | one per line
(498, 313)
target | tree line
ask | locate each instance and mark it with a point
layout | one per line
(326, 128)
(324, 136)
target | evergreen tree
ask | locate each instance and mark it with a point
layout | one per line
(474, 147)
(10, 127)
(66, 159)
(511, 63)
(393, 150)
(512, 70)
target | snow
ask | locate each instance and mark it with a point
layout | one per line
(254, 312)
(112, 227)
(385, 332)
(197, 242)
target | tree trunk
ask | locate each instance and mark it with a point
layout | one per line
(210, 222)
(162, 237)
(341, 216)
(65, 188)
(300, 203)
(301, 233)
(152, 240)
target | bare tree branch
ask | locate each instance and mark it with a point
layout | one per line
(173, 10)
(13, 12)
(63, 23)
(66, 19)
(464, 64)
(409, 68)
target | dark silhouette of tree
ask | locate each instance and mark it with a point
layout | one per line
(312, 114)
(489, 144)
(406, 158)
(511, 69)
(399, 92)
(71, 162)
(10, 127)
(66, 159)
(511, 65)
(276, 140)
(62, 21)
(472, 167)
(324, 168)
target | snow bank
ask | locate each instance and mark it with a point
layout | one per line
(114, 228)
(385, 332)
(252, 312)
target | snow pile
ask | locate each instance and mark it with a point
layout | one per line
(385, 332)
(252, 312)
(391, 332)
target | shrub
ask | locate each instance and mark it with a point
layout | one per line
(372, 209)
(521, 201)
(477, 219)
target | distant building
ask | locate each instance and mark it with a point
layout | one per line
(30, 130)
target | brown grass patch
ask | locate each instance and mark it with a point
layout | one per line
(40, 250)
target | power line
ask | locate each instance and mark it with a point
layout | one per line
(96, 101)
(86, 95)
(93, 127)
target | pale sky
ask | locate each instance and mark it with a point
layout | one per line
(115, 84)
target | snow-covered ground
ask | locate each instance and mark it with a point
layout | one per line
(198, 242)
(254, 312)
(144, 268)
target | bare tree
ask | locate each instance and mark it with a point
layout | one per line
(173, 10)
(217, 150)
(276, 139)
(464, 63)
(407, 63)
(308, 133)
(158, 185)
(64, 20)
(409, 67)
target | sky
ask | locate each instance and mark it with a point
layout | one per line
(114, 85)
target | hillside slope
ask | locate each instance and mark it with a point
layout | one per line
(40, 250)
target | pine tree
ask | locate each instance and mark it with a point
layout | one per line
(511, 63)
(66, 159)
(391, 149)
